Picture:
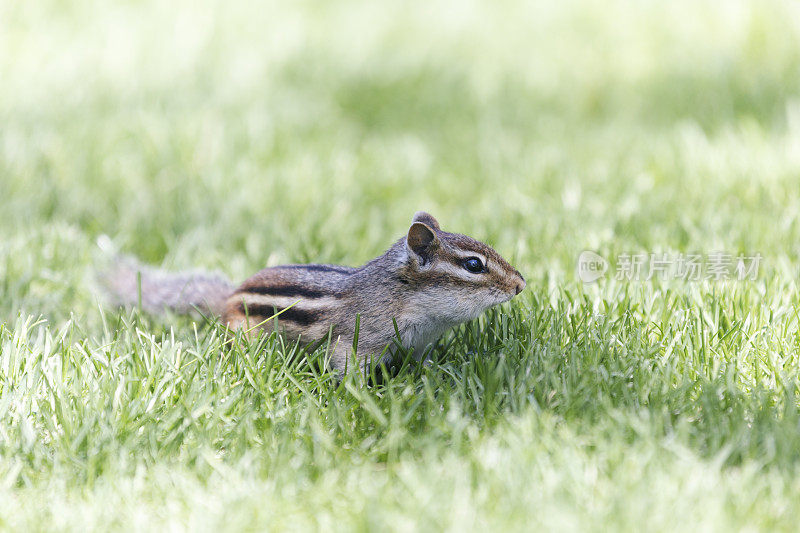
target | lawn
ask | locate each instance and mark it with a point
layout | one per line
(228, 136)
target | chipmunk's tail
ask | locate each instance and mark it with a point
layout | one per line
(128, 283)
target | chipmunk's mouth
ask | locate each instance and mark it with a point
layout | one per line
(503, 297)
(507, 295)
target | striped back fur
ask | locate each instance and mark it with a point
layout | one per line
(420, 284)
(426, 283)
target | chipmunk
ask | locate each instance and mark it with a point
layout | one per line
(428, 282)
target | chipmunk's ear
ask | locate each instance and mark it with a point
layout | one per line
(422, 241)
(425, 218)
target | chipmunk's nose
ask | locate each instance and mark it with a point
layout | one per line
(520, 284)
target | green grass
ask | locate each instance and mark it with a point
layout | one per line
(227, 136)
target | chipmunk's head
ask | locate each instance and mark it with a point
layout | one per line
(456, 277)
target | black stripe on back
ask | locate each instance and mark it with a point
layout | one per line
(323, 268)
(292, 314)
(284, 290)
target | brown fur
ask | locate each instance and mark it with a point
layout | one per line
(420, 283)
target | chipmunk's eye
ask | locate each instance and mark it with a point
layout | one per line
(474, 265)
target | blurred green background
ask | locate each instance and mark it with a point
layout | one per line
(228, 135)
